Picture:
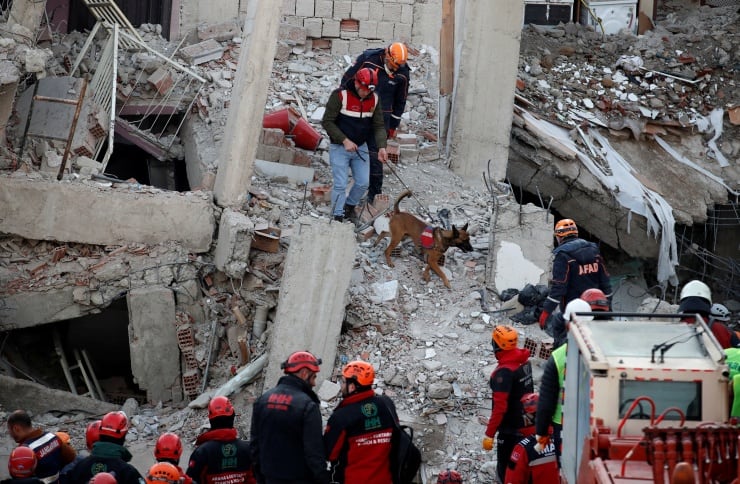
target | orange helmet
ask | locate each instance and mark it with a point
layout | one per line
(396, 55)
(565, 228)
(299, 360)
(360, 371)
(220, 407)
(114, 424)
(92, 434)
(163, 472)
(169, 447)
(22, 462)
(596, 299)
(449, 477)
(505, 337)
(529, 403)
(64, 437)
(103, 478)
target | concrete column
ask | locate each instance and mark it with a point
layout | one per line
(248, 102)
(9, 77)
(484, 93)
(155, 356)
(313, 294)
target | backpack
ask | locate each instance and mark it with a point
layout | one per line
(406, 457)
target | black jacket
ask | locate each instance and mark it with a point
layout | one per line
(286, 443)
(549, 397)
(220, 457)
(106, 457)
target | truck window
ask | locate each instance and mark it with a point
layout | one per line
(685, 395)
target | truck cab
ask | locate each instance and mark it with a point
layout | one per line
(643, 393)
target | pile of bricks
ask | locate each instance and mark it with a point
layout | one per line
(186, 343)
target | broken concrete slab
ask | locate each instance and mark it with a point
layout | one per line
(235, 233)
(38, 399)
(28, 309)
(202, 52)
(221, 32)
(296, 174)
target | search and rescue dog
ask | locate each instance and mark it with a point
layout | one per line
(432, 241)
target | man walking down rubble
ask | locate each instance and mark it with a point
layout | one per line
(353, 115)
(286, 435)
(509, 382)
(358, 435)
(577, 266)
(220, 457)
(393, 88)
(108, 454)
(51, 453)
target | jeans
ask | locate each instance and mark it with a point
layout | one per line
(342, 161)
(376, 172)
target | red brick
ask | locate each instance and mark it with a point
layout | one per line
(161, 79)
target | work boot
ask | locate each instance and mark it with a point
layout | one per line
(350, 214)
(339, 218)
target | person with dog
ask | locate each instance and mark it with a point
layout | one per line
(529, 462)
(358, 435)
(286, 440)
(577, 266)
(353, 116)
(509, 382)
(393, 87)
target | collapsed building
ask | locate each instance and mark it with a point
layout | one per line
(137, 237)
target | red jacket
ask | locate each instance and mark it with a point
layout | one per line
(511, 379)
(527, 466)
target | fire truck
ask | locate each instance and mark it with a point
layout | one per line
(647, 399)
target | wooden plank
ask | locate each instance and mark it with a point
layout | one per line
(447, 48)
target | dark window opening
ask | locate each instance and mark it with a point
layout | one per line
(685, 395)
(130, 161)
(137, 11)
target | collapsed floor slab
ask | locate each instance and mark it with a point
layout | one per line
(39, 399)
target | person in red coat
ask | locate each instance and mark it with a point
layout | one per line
(531, 463)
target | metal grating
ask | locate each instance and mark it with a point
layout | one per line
(107, 11)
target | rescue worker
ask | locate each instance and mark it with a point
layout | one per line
(530, 464)
(108, 454)
(353, 116)
(51, 454)
(733, 363)
(696, 298)
(550, 400)
(220, 456)
(509, 382)
(22, 465)
(393, 88)
(92, 435)
(286, 435)
(167, 473)
(577, 266)
(103, 478)
(359, 432)
(169, 449)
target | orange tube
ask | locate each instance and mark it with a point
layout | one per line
(658, 461)
(671, 453)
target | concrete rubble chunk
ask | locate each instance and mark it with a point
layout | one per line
(234, 242)
(206, 51)
(221, 32)
(37, 399)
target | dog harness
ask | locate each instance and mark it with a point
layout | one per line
(427, 237)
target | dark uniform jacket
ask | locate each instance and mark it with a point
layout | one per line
(51, 454)
(527, 466)
(286, 442)
(511, 379)
(358, 439)
(549, 397)
(349, 116)
(577, 266)
(106, 457)
(221, 458)
(393, 91)
(22, 480)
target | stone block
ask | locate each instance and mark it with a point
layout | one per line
(324, 8)
(357, 46)
(330, 28)
(234, 243)
(301, 158)
(283, 51)
(288, 7)
(292, 34)
(305, 8)
(361, 10)
(313, 27)
(368, 29)
(294, 20)
(407, 14)
(402, 32)
(162, 80)
(391, 12)
(408, 154)
(347, 35)
(376, 12)
(286, 156)
(339, 47)
(220, 32)
(202, 52)
(273, 137)
(342, 9)
(385, 30)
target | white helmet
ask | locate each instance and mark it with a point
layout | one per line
(720, 312)
(577, 306)
(696, 289)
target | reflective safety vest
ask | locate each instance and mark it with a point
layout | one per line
(733, 361)
(735, 411)
(558, 357)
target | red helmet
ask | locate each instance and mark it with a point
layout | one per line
(103, 478)
(169, 446)
(22, 462)
(566, 228)
(220, 407)
(114, 424)
(367, 78)
(529, 403)
(596, 299)
(92, 434)
(360, 371)
(301, 359)
(449, 477)
(163, 472)
(396, 55)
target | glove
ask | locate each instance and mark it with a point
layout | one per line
(391, 133)
(543, 319)
(487, 443)
(542, 442)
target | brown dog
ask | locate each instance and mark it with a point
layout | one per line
(404, 224)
